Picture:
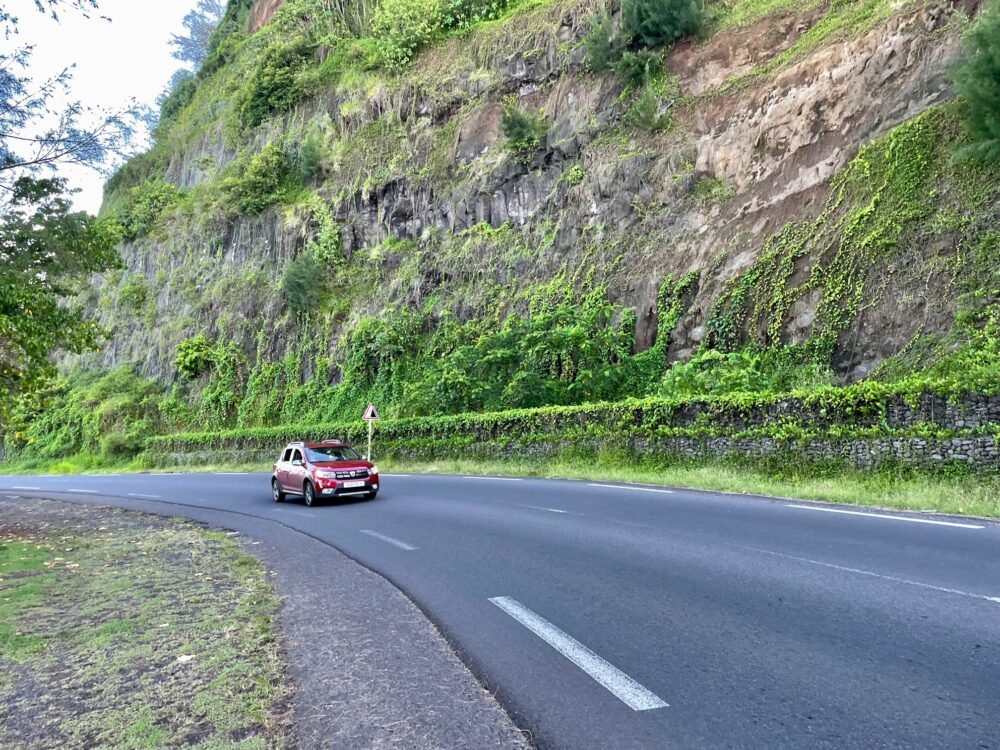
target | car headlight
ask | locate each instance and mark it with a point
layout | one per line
(326, 474)
(373, 470)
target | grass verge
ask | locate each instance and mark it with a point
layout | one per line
(122, 630)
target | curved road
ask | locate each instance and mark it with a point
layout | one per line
(617, 617)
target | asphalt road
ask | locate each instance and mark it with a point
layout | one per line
(619, 617)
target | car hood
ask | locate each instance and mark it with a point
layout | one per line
(343, 465)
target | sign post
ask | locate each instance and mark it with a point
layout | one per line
(371, 417)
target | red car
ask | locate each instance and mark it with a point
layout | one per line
(320, 470)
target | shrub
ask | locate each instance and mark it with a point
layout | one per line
(638, 68)
(144, 206)
(524, 132)
(461, 14)
(646, 112)
(310, 160)
(604, 43)
(977, 82)
(273, 85)
(195, 356)
(655, 22)
(402, 27)
(304, 284)
(134, 292)
(179, 97)
(259, 181)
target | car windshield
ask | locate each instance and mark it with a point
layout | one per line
(331, 453)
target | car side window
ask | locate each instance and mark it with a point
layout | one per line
(297, 456)
(287, 456)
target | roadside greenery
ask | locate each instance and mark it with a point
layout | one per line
(977, 81)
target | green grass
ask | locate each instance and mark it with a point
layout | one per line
(121, 630)
(905, 490)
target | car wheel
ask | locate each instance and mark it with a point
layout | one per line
(276, 492)
(309, 494)
(370, 495)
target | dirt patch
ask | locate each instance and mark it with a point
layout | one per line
(262, 13)
(121, 629)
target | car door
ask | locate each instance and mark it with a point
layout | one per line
(281, 470)
(296, 473)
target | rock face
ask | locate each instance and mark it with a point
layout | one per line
(262, 12)
(422, 158)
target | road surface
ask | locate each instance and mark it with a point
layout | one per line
(608, 616)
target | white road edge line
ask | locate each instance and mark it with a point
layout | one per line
(894, 579)
(619, 684)
(148, 497)
(232, 473)
(635, 489)
(886, 516)
(550, 510)
(397, 475)
(389, 540)
(86, 492)
(15, 487)
(495, 479)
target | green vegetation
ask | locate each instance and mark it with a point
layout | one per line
(525, 132)
(977, 81)
(304, 284)
(195, 662)
(195, 356)
(273, 86)
(656, 22)
(134, 293)
(257, 182)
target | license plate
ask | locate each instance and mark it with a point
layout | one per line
(354, 484)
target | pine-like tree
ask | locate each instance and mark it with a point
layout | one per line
(656, 22)
(977, 82)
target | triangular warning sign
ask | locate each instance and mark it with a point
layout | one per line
(371, 415)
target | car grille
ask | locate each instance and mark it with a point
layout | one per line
(353, 474)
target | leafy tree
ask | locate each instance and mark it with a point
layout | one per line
(45, 249)
(273, 86)
(656, 22)
(977, 81)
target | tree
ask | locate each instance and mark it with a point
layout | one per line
(977, 82)
(34, 133)
(45, 249)
(192, 46)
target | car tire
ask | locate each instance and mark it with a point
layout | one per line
(277, 494)
(371, 495)
(309, 495)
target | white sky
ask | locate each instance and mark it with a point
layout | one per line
(117, 60)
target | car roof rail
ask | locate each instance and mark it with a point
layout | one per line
(335, 440)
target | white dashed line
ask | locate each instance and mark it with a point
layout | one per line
(232, 473)
(886, 517)
(147, 497)
(389, 540)
(397, 475)
(634, 489)
(86, 492)
(619, 684)
(894, 579)
(550, 510)
(25, 488)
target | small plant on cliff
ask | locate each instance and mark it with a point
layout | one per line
(134, 292)
(273, 85)
(461, 14)
(304, 284)
(977, 81)
(195, 356)
(525, 132)
(260, 181)
(144, 206)
(402, 27)
(605, 43)
(656, 22)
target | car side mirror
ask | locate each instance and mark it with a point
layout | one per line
(296, 462)
(364, 458)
